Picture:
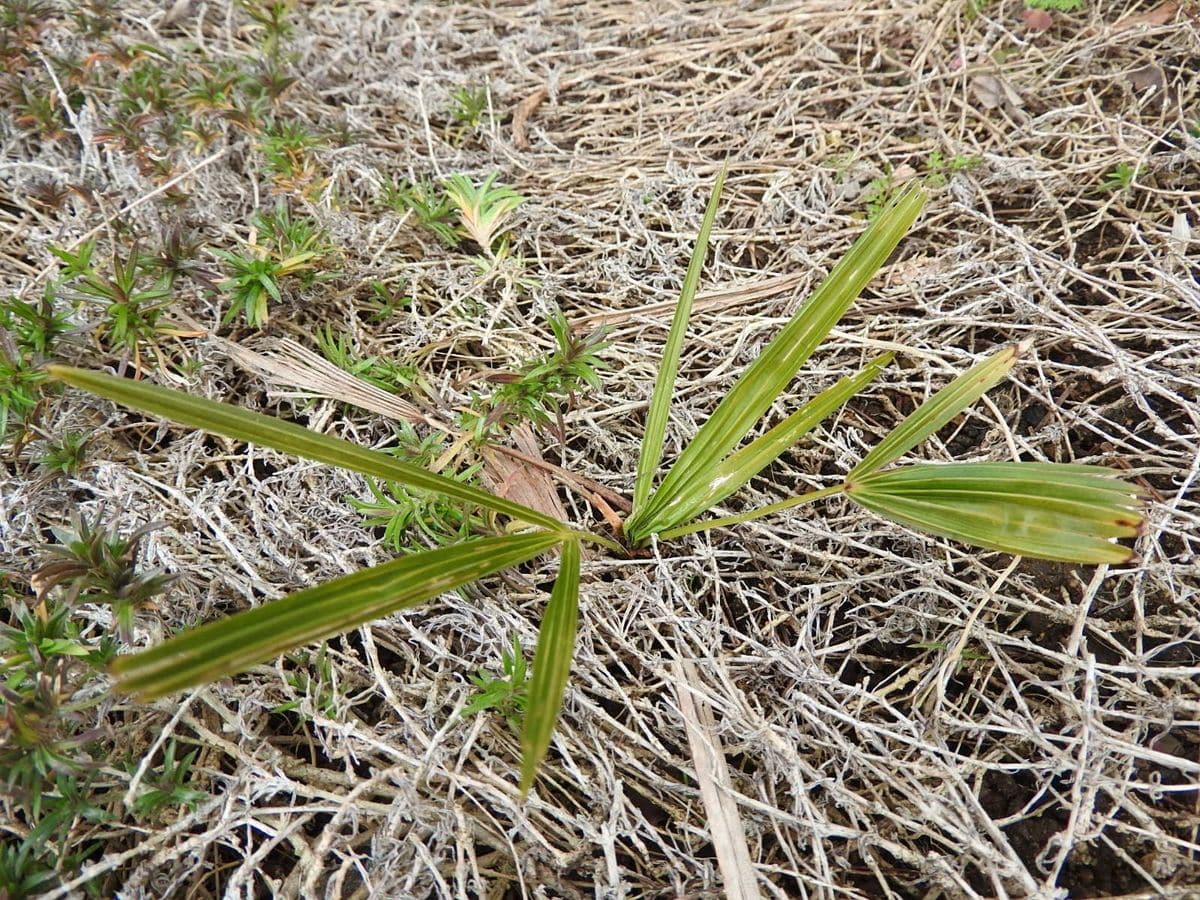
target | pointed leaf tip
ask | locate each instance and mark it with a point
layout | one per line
(779, 361)
(287, 437)
(1052, 511)
(939, 409)
(551, 665)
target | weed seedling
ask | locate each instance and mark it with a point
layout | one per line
(41, 658)
(313, 679)
(285, 146)
(36, 108)
(484, 212)
(169, 787)
(385, 301)
(1056, 5)
(1065, 512)
(1120, 178)
(467, 107)
(538, 392)
(385, 374)
(432, 207)
(95, 564)
(289, 248)
(271, 24)
(507, 694)
(28, 335)
(65, 456)
(470, 102)
(411, 518)
(288, 235)
(35, 329)
(939, 169)
(879, 193)
(133, 299)
(20, 390)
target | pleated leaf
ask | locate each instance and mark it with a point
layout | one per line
(551, 665)
(236, 643)
(779, 361)
(1057, 511)
(664, 385)
(938, 410)
(287, 437)
(739, 467)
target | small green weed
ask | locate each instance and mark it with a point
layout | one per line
(27, 865)
(288, 235)
(938, 169)
(35, 107)
(43, 660)
(271, 23)
(468, 104)
(35, 329)
(880, 192)
(65, 456)
(133, 298)
(1056, 5)
(21, 383)
(28, 335)
(507, 694)
(286, 146)
(484, 211)
(169, 787)
(313, 679)
(412, 518)
(1120, 178)
(538, 392)
(385, 301)
(289, 248)
(383, 373)
(967, 656)
(96, 564)
(432, 207)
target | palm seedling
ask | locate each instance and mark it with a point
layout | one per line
(1071, 513)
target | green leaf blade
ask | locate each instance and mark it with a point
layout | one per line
(939, 409)
(236, 643)
(1059, 512)
(551, 665)
(739, 467)
(777, 365)
(664, 385)
(287, 437)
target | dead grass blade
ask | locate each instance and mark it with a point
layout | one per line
(716, 787)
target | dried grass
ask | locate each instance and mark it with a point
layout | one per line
(1064, 751)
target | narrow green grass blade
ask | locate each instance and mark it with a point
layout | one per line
(1051, 511)
(234, 644)
(551, 665)
(739, 467)
(286, 437)
(777, 365)
(938, 410)
(664, 385)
